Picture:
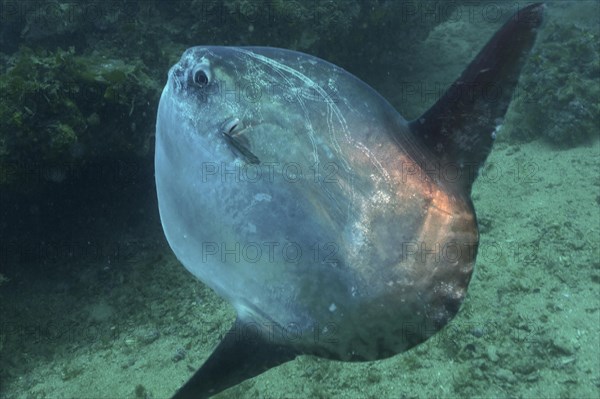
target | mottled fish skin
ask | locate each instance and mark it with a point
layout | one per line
(374, 213)
(334, 227)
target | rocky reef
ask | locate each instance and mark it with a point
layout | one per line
(81, 79)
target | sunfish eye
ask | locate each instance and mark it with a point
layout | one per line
(201, 76)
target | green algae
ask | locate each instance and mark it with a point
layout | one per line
(51, 106)
(559, 94)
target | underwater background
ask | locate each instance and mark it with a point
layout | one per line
(93, 304)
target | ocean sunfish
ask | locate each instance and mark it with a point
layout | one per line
(334, 227)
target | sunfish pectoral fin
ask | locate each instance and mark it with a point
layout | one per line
(459, 129)
(241, 148)
(242, 354)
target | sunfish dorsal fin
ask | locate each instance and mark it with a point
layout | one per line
(242, 354)
(459, 129)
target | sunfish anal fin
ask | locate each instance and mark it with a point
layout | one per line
(242, 354)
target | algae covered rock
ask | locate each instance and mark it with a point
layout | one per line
(60, 108)
(559, 93)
